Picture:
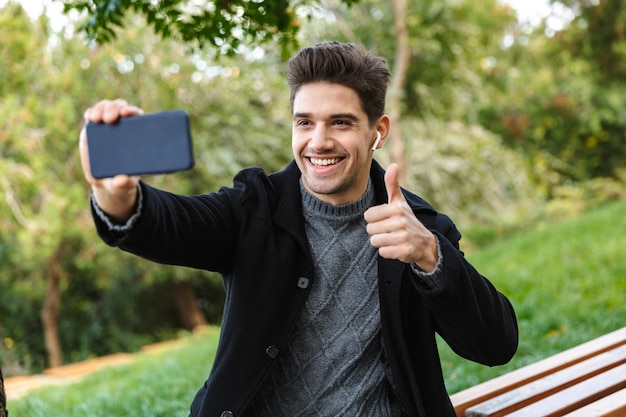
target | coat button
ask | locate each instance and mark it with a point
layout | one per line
(272, 351)
(227, 414)
(303, 282)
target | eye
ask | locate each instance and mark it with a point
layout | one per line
(302, 122)
(342, 122)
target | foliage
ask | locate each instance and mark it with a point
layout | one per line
(598, 34)
(466, 172)
(228, 26)
(560, 99)
(580, 260)
(40, 198)
(448, 40)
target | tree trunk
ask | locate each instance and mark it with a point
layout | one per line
(50, 309)
(189, 311)
(3, 398)
(396, 89)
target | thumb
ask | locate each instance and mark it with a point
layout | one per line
(394, 193)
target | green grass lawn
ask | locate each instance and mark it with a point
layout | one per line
(567, 281)
(155, 385)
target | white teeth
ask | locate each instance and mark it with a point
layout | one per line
(324, 162)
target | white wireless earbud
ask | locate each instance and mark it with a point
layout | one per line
(376, 142)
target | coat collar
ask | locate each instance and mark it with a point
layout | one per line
(288, 213)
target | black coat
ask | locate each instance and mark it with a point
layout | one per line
(253, 234)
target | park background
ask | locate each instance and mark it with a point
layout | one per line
(516, 129)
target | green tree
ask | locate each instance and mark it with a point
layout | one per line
(559, 96)
(29, 192)
(598, 35)
(227, 26)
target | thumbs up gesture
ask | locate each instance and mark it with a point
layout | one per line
(396, 232)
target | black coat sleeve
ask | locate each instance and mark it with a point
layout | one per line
(472, 316)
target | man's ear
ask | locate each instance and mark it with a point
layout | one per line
(383, 129)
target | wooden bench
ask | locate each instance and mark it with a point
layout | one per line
(588, 380)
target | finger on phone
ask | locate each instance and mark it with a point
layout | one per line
(108, 111)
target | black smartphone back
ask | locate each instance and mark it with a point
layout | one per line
(156, 143)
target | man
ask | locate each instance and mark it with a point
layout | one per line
(336, 278)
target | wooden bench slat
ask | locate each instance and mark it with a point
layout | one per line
(577, 396)
(462, 400)
(613, 405)
(548, 385)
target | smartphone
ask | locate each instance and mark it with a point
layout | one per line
(156, 143)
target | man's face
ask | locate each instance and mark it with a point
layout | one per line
(331, 141)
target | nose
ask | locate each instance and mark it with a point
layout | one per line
(319, 140)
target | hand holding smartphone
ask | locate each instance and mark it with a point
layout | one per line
(156, 143)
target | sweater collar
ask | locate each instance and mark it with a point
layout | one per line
(314, 206)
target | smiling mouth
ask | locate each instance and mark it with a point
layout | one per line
(322, 162)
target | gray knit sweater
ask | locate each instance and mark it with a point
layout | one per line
(332, 365)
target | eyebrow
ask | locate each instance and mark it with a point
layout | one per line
(349, 116)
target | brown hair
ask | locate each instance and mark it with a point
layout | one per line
(346, 64)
